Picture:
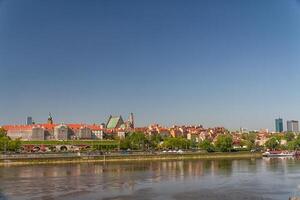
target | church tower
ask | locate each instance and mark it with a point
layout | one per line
(131, 121)
(50, 120)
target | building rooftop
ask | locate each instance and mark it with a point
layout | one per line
(114, 121)
(49, 127)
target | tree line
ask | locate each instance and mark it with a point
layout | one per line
(292, 142)
(7, 144)
(140, 141)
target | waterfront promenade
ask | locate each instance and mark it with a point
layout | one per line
(34, 158)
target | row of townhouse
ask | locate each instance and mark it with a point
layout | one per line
(84, 131)
(54, 131)
(197, 133)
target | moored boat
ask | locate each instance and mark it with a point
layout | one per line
(278, 153)
(294, 198)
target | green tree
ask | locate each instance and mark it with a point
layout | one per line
(289, 136)
(249, 140)
(278, 136)
(176, 143)
(154, 141)
(2, 132)
(294, 144)
(4, 142)
(14, 145)
(193, 143)
(273, 143)
(138, 140)
(125, 144)
(291, 145)
(207, 145)
(224, 143)
(134, 141)
(7, 144)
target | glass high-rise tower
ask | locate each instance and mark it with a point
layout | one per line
(279, 125)
(29, 121)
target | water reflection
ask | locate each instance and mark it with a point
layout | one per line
(209, 179)
(175, 169)
(2, 197)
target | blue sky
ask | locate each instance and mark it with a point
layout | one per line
(231, 63)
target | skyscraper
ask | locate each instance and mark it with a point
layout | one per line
(279, 125)
(29, 121)
(292, 126)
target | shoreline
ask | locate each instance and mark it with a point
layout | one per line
(61, 159)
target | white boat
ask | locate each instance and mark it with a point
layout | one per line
(294, 198)
(278, 154)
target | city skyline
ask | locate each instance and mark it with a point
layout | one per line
(292, 125)
(214, 63)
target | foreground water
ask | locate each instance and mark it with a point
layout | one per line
(189, 179)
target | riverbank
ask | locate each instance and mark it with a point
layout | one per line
(6, 160)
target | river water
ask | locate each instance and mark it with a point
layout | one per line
(189, 179)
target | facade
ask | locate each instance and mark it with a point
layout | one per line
(121, 134)
(97, 134)
(55, 131)
(85, 133)
(279, 125)
(164, 132)
(176, 132)
(292, 126)
(30, 132)
(19, 133)
(38, 133)
(61, 132)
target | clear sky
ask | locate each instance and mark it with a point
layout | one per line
(233, 63)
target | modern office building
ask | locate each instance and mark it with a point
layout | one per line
(292, 126)
(29, 121)
(279, 125)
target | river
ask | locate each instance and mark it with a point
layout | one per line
(188, 179)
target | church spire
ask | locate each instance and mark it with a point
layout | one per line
(50, 120)
(131, 121)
